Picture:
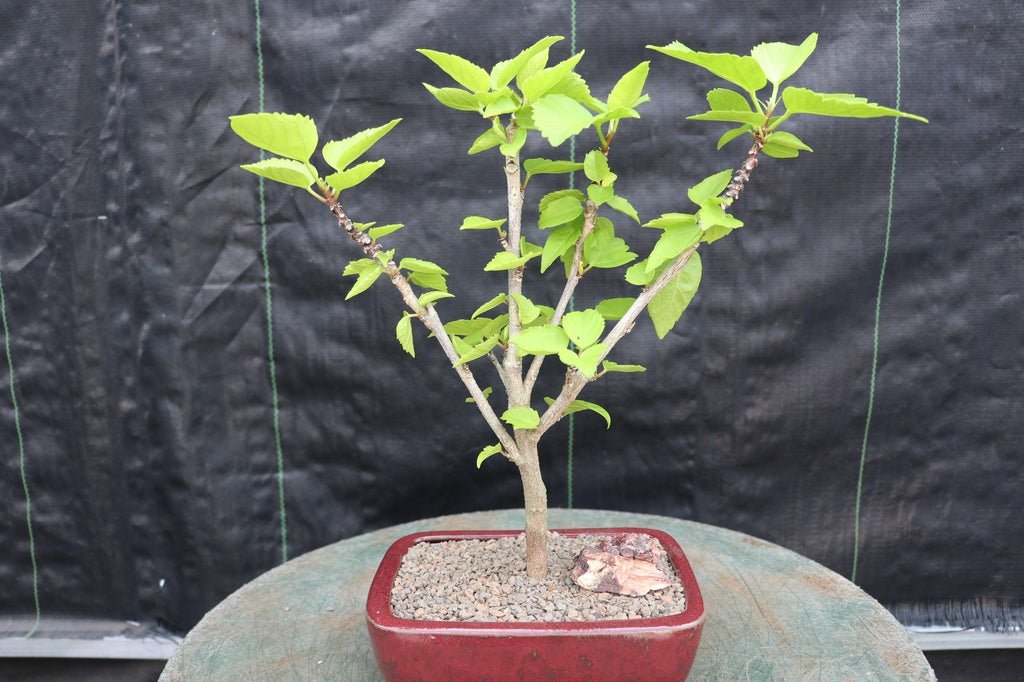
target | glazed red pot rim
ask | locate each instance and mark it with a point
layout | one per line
(378, 603)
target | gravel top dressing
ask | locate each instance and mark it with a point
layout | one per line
(485, 581)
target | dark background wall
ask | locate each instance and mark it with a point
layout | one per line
(137, 312)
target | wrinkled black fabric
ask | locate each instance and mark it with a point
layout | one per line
(134, 287)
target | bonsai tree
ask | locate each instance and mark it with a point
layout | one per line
(509, 334)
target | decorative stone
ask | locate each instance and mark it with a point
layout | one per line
(632, 564)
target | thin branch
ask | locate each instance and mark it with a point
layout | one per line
(430, 319)
(501, 370)
(589, 220)
(575, 380)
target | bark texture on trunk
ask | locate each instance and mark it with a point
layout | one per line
(535, 497)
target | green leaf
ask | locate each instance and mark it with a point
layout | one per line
(560, 240)
(742, 71)
(614, 308)
(505, 260)
(487, 452)
(673, 242)
(503, 105)
(623, 206)
(779, 61)
(521, 417)
(424, 266)
(533, 65)
(537, 85)
(710, 187)
(479, 350)
(723, 99)
(366, 279)
(599, 195)
(489, 305)
(547, 166)
(429, 297)
(285, 171)
(455, 98)
(429, 281)
(464, 72)
(551, 197)
(289, 135)
(583, 327)
(528, 312)
(730, 135)
(778, 151)
(712, 214)
(713, 234)
(618, 114)
(558, 118)
(512, 147)
(503, 72)
(346, 179)
(475, 222)
(490, 138)
(404, 333)
(559, 211)
(493, 327)
(667, 220)
(750, 117)
(581, 405)
(356, 267)
(629, 88)
(637, 274)
(384, 230)
(783, 139)
(466, 327)
(603, 249)
(804, 101)
(668, 305)
(595, 165)
(575, 88)
(586, 361)
(609, 366)
(340, 153)
(543, 340)
(487, 392)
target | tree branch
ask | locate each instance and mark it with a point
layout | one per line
(430, 319)
(589, 220)
(575, 380)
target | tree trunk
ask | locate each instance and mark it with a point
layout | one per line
(535, 497)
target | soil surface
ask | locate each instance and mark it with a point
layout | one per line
(485, 581)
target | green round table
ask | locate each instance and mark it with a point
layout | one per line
(771, 614)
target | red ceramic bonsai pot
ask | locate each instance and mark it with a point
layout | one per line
(650, 649)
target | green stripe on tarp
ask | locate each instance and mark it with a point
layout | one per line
(572, 299)
(878, 310)
(22, 469)
(269, 307)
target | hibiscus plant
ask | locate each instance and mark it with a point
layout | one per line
(509, 334)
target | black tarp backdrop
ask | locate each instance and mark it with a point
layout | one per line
(130, 247)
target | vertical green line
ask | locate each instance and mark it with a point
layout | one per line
(21, 455)
(269, 306)
(572, 299)
(878, 309)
